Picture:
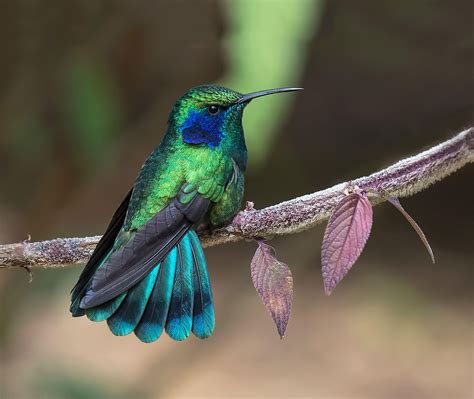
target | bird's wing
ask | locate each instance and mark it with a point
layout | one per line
(146, 247)
(104, 246)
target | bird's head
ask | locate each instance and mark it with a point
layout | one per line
(206, 114)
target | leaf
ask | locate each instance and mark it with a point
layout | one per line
(396, 203)
(344, 239)
(274, 283)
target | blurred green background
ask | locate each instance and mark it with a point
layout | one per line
(85, 89)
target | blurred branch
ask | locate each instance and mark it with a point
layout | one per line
(402, 179)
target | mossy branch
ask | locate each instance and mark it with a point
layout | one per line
(406, 177)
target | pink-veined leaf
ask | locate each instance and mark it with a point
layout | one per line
(274, 283)
(396, 203)
(344, 239)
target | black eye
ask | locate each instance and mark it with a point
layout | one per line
(213, 109)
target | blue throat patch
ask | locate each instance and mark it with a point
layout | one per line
(202, 128)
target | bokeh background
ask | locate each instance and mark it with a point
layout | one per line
(85, 89)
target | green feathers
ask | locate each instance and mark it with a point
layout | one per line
(148, 273)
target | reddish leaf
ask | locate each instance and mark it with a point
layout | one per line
(274, 283)
(344, 239)
(396, 203)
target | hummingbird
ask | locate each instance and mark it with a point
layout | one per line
(148, 273)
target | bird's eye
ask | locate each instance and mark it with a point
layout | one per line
(213, 109)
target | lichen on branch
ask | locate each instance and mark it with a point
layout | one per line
(404, 178)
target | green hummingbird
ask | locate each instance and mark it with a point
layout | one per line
(148, 273)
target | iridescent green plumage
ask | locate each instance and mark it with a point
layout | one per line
(208, 170)
(149, 273)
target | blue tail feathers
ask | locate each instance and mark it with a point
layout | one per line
(175, 296)
(154, 318)
(128, 315)
(203, 310)
(179, 322)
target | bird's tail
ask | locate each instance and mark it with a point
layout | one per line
(175, 296)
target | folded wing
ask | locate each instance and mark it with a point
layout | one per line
(147, 247)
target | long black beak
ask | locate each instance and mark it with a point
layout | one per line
(248, 97)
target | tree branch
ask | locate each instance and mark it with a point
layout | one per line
(402, 179)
